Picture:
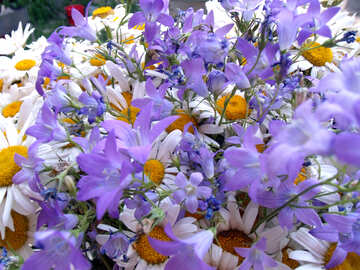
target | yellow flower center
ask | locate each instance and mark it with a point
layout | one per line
(301, 177)
(11, 109)
(128, 97)
(25, 64)
(289, 262)
(102, 12)
(8, 167)
(319, 55)
(1, 84)
(351, 262)
(230, 239)
(260, 147)
(15, 240)
(68, 121)
(46, 82)
(129, 114)
(155, 170)
(235, 109)
(97, 61)
(181, 122)
(358, 39)
(128, 40)
(139, 27)
(64, 77)
(145, 250)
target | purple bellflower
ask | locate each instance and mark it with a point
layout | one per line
(185, 254)
(245, 164)
(285, 192)
(94, 105)
(317, 23)
(255, 257)
(108, 174)
(136, 141)
(141, 206)
(47, 127)
(152, 12)
(217, 81)
(55, 51)
(194, 70)
(30, 168)
(189, 190)
(58, 250)
(343, 229)
(161, 106)
(264, 66)
(116, 245)
(82, 28)
(52, 214)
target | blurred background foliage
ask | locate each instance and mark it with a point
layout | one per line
(47, 15)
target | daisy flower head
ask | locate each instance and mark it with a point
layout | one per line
(23, 65)
(14, 197)
(318, 254)
(21, 237)
(234, 231)
(140, 254)
(16, 40)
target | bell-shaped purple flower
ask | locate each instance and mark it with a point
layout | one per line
(47, 127)
(255, 257)
(185, 254)
(58, 250)
(189, 190)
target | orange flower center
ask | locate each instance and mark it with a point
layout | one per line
(145, 250)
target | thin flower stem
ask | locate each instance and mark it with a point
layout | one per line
(226, 104)
(277, 210)
(255, 64)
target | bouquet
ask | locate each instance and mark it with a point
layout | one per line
(219, 139)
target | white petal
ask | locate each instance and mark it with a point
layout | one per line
(305, 256)
(168, 146)
(249, 216)
(304, 238)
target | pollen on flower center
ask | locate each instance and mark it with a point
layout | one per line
(1, 84)
(102, 12)
(317, 56)
(129, 114)
(25, 64)
(301, 177)
(97, 61)
(14, 240)
(286, 260)
(235, 109)
(181, 122)
(11, 109)
(145, 250)
(351, 262)
(8, 167)
(155, 170)
(230, 239)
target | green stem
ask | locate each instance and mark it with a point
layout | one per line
(277, 210)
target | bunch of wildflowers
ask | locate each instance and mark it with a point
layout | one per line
(219, 139)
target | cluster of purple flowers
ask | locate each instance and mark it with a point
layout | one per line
(197, 142)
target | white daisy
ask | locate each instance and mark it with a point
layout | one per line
(16, 40)
(12, 196)
(235, 231)
(318, 253)
(140, 254)
(21, 237)
(24, 64)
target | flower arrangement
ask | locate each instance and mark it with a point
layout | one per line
(226, 140)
